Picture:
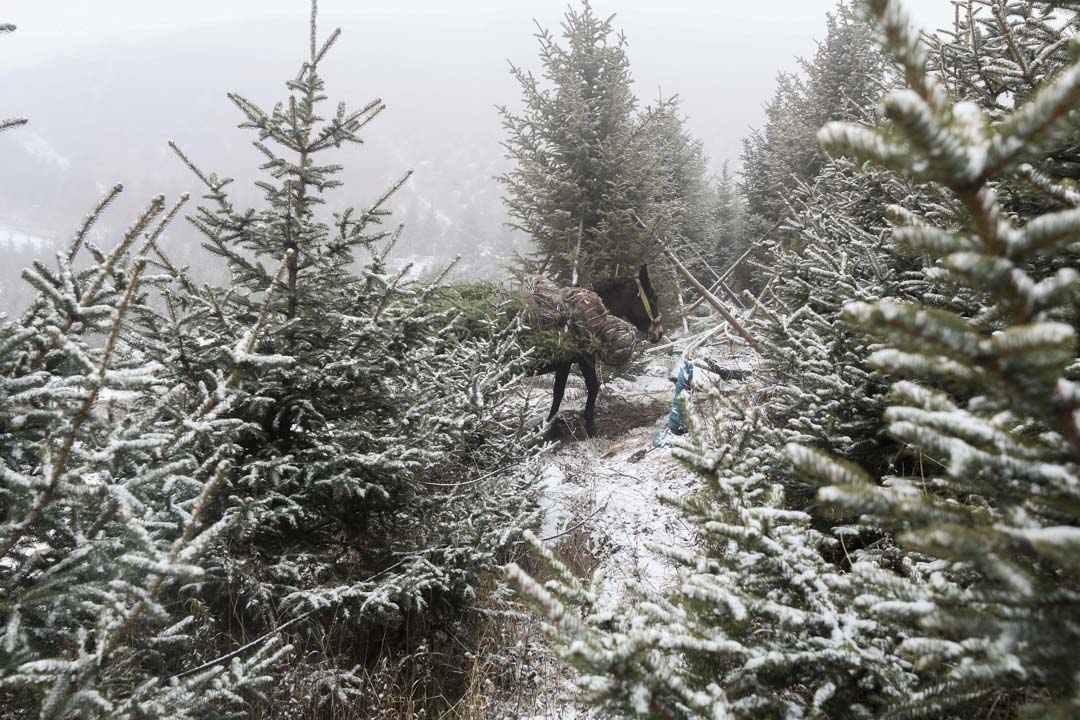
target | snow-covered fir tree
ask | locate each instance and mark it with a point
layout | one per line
(109, 470)
(732, 230)
(997, 55)
(831, 250)
(372, 483)
(684, 187)
(842, 81)
(585, 161)
(779, 152)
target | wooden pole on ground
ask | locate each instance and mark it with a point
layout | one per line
(690, 340)
(731, 294)
(682, 306)
(719, 283)
(717, 305)
(761, 298)
(734, 265)
(708, 296)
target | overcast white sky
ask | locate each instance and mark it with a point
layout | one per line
(720, 55)
(107, 82)
(50, 26)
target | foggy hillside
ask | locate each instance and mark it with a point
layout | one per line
(107, 118)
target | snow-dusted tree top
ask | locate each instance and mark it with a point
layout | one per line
(588, 160)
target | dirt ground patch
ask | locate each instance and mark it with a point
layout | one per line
(614, 418)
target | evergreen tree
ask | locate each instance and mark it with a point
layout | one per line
(731, 229)
(832, 249)
(683, 187)
(988, 406)
(584, 160)
(780, 153)
(998, 55)
(109, 470)
(372, 484)
(842, 81)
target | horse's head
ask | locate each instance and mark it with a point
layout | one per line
(634, 300)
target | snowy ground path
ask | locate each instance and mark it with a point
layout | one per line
(601, 495)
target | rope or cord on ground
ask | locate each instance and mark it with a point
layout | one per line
(267, 635)
(599, 510)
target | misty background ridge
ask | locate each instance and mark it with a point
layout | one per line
(103, 113)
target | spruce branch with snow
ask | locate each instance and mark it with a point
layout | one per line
(986, 404)
(998, 54)
(7, 124)
(109, 470)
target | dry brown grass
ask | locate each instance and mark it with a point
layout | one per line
(491, 663)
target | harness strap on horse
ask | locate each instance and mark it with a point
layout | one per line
(645, 301)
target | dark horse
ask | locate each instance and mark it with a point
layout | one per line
(632, 299)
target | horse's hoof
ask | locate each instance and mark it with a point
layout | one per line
(590, 430)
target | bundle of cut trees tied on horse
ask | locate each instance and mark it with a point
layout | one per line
(580, 326)
(582, 322)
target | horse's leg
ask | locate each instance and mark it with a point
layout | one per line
(588, 371)
(562, 372)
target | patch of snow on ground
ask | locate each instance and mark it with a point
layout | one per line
(613, 485)
(609, 488)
